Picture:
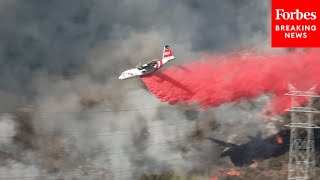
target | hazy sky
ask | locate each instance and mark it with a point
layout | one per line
(62, 55)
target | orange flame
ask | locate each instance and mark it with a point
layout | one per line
(214, 178)
(255, 164)
(279, 139)
(232, 172)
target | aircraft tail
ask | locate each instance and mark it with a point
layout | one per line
(167, 54)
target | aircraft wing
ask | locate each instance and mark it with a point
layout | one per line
(135, 72)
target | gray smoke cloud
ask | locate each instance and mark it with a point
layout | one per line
(66, 56)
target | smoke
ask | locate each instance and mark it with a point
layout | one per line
(66, 57)
(224, 79)
(7, 127)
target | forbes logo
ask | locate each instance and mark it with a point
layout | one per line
(281, 14)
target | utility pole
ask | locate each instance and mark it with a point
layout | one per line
(302, 147)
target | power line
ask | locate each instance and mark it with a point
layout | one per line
(115, 152)
(98, 133)
(92, 112)
(173, 131)
(106, 171)
(118, 150)
(95, 133)
(125, 130)
(121, 166)
(127, 147)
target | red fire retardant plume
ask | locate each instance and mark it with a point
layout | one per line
(219, 79)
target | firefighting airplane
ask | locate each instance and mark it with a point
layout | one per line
(150, 67)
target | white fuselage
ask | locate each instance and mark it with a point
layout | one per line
(131, 73)
(149, 67)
